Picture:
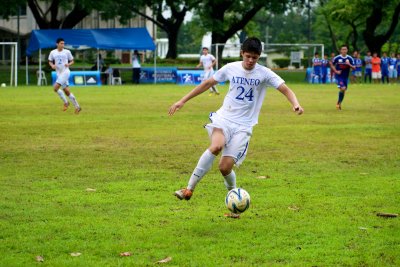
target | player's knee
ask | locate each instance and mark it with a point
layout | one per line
(215, 149)
(225, 168)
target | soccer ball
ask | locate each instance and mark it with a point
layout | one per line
(3, 85)
(237, 200)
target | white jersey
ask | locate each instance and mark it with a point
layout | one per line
(247, 89)
(207, 61)
(60, 58)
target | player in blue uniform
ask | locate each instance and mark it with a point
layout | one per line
(333, 75)
(317, 68)
(392, 68)
(385, 67)
(368, 67)
(324, 68)
(398, 67)
(353, 76)
(358, 72)
(341, 65)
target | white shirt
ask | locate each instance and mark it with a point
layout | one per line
(247, 89)
(207, 61)
(60, 58)
(135, 61)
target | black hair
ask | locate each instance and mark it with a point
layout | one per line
(344, 45)
(252, 44)
(60, 40)
(205, 48)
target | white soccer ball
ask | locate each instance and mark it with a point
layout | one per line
(237, 200)
(3, 85)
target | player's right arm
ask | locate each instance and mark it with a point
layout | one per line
(201, 88)
(333, 68)
(51, 61)
(52, 65)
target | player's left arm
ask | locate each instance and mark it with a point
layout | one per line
(290, 95)
(70, 60)
(213, 63)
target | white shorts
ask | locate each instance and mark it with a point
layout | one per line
(376, 75)
(62, 78)
(237, 137)
(392, 73)
(208, 74)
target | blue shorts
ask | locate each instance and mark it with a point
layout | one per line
(341, 82)
(368, 71)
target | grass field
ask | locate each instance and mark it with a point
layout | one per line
(101, 183)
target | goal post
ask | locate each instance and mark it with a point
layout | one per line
(12, 59)
(293, 51)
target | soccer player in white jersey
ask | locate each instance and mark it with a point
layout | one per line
(59, 60)
(208, 61)
(231, 126)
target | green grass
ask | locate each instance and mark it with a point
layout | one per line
(327, 174)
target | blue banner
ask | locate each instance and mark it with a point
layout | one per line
(163, 75)
(81, 78)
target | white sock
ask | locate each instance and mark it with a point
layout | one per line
(73, 100)
(62, 95)
(203, 166)
(230, 180)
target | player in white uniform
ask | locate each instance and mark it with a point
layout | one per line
(208, 61)
(60, 59)
(231, 126)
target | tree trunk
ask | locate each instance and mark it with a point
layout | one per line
(375, 42)
(222, 36)
(71, 20)
(172, 43)
(171, 27)
(74, 17)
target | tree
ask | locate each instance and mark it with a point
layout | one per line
(381, 9)
(376, 20)
(48, 16)
(11, 8)
(225, 18)
(191, 36)
(170, 24)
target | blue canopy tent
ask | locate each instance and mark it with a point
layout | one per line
(107, 39)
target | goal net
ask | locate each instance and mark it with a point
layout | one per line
(8, 62)
(274, 55)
